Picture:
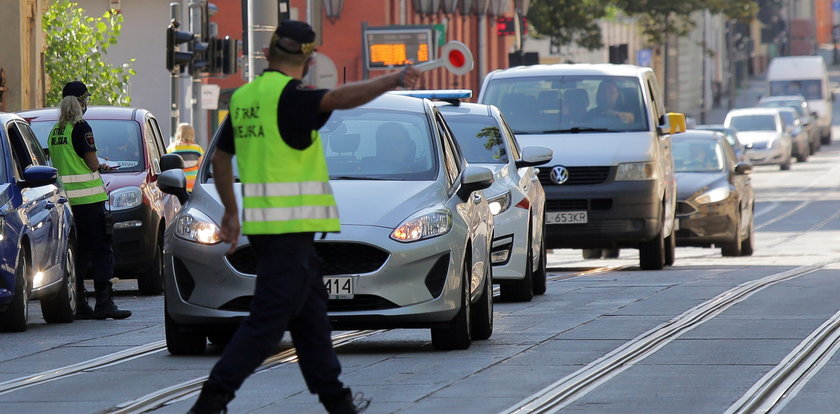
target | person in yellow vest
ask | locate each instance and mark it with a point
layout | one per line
(185, 146)
(273, 130)
(72, 150)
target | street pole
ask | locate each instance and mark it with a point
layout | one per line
(703, 69)
(199, 121)
(174, 13)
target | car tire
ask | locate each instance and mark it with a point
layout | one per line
(182, 343)
(151, 282)
(611, 253)
(592, 253)
(457, 335)
(652, 252)
(825, 139)
(733, 248)
(61, 307)
(786, 164)
(482, 315)
(803, 155)
(221, 337)
(14, 318)
(521, 290)
(748, 244)
(541, 274)
(671, 248)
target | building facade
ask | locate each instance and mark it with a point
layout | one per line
(22, 80)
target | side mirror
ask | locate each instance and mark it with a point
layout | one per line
(743, 168)
(474, 179)
(534, 155)
(174, 182)
(171, 162)
(673, 123)
(38, 175)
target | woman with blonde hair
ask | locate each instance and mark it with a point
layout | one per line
(73, 153)
(185, 146)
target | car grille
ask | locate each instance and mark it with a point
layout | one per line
(757, 146)
(358, 303)
(577, 175)
(578, 204)
(337, 258)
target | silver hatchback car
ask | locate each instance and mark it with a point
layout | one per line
(413, 251)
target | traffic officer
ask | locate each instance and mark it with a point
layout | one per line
(185, 146)
(273, 130)
(73, 152)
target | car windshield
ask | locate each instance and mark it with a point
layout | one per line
(697, 155)
(117, 141)
(753, 122)
(569, 104)
(788, 117)
(795, 105)
(367, 144)
(810, 88)
(480, 138)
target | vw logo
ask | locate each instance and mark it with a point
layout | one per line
(559, 174)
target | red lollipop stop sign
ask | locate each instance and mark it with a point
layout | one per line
(454, 55)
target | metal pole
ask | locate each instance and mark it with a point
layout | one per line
(703, 68)
(250, 51)
(174, 13)
(199, 121)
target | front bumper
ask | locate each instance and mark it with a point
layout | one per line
(135, 237)
(414, 285)
(620, 214)
(511, 236)
(707, 224)
(771, 156)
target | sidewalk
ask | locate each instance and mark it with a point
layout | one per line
(746, 96)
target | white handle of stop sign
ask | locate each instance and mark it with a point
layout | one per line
(454, 55)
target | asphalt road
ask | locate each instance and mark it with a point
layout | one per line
(708, 335)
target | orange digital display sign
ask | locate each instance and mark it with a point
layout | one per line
(398, 45)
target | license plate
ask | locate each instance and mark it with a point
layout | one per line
(339, 287)
(566, 217)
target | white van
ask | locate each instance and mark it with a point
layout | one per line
(806, 76)
(611, 182)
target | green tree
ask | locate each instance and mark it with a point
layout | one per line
(576, 21)
(75, 50)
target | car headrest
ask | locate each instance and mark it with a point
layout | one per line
(344, 143)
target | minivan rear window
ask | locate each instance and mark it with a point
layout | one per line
(569, 104)
(117, 141)
(809, 88)
(745, 123)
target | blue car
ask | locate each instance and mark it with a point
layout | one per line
(37, 239)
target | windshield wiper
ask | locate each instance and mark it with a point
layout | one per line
(576, 130)
(356, 177)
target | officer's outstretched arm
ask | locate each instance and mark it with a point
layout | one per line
(358, 93)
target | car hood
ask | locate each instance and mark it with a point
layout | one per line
(690, 183)
(366, 203)
(750, 137)
(601, 149)
(114, 181)
(384, 203)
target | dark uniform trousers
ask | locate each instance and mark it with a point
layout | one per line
(94, 243)
(289, 295)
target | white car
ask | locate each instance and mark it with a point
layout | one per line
(517, 198)
(762, 131)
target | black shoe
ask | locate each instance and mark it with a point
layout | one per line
(345, 402)
(212, 400)
(105, 306)
(83, 309)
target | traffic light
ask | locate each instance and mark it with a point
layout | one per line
(175, 37)
(201, 56)
(230, 56)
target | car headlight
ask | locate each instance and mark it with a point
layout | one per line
(713, 196)
(636, 171)
(499, 203)
(125, 198)
(196, 227)
(424, 226)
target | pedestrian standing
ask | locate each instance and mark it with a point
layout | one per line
(273, 130)
(72, 150)
(185, 146)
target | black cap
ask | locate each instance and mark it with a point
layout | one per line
(75, 88)
(300, 32)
